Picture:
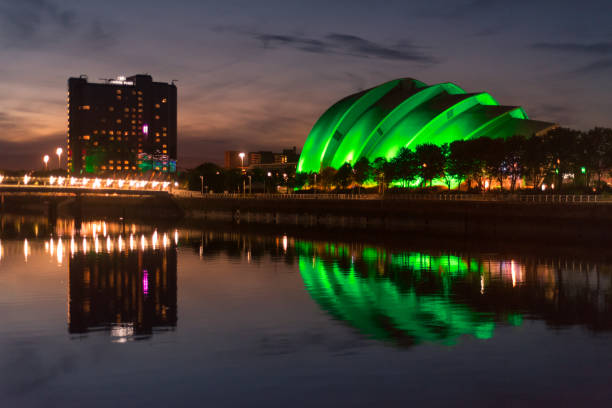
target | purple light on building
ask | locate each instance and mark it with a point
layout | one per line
(145, 282)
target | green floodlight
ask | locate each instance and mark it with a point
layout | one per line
(583, 170)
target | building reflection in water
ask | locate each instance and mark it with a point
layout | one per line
(411, 297)
(130, 293)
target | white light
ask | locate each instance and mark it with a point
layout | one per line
(60, 181)
(1, 178)
(26, 179)
(26, 249)
(543, 187)
(120, 183)
(132, 183)
(109, 182)
(164, 184)
(52, 180)
(154, 184)
(96, 183)
(73, 181)
(143, 242)
(84, 181)
(121, 78)
(60, 251)
(175, 237)
(176, 184)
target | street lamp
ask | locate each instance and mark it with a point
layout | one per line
(59, 152)
(241, 155)
(202, 181)
(46, 160)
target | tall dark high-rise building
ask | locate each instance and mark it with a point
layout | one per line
(126, 125)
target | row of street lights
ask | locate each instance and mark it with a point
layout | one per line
(59, 152)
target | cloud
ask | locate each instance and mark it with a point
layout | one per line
(34, 24)
(340, 44)
(597, 66)
(576, 48)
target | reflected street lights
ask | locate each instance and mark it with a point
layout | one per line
(59, 152)
(46, 161)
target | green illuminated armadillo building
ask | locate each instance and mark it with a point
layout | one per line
(379, 121)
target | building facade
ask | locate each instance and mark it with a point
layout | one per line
(127, 125)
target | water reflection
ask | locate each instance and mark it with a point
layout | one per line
(132, 293)
(415, 297)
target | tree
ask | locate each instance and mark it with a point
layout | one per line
(405, 166)
(431, 161)
(534, 160)
(344, 176)
(328, 175)
(363, 171)
(458, 161)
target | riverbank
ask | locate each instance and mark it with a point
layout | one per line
(506, 220)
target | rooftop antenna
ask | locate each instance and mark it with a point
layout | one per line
(173, 81)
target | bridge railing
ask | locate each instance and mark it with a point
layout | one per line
(527, 198)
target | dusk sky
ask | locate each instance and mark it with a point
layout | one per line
(257, 74)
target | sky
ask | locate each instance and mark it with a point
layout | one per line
(256, 75)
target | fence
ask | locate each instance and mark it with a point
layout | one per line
(532, 198)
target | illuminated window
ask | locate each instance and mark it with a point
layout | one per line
(140, 98)
(164, 146)
(118, 91)
(126, 162)
(85, 107)
(164, 100)
(157, 117)
(111, 132)
(133, 122)
(157, 168)
(95, 132)
(111, 167)
(104, 132)
(157, 134)
(95, 143)
(165, 169)
(126, 110)
(133, 167)
(111, 108)
(125, 133)
(157, 105)
(165, 152)
(111, 161)
(164, 129)
(86, 137)
(139, 92)
(157, 140)
(118, 167)
(119, 138)
(118, 97)
(118, 120)
(165, 134)
(103, 167)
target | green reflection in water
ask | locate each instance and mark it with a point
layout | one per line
(369, 299)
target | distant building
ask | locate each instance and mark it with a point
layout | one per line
(127, 125)
(233, 160)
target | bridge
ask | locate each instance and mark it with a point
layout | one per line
(84, 186)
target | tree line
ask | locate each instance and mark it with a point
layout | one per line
(562, 159)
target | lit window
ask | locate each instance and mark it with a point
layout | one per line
(111, 108)
(118, 120)
(157, 140)
(118, 97)
(139, 92)
(118, 91)
(125, 133)
(103, 167)
(111, 168)
(119, 138)
(111, 161)
(157, 105)
(85, 107)
(164, 100)
(157, 117)
(133, 167)
(164, 146)
(118, 167)
(126, 110)
(86, 137)
(157, 134)
(95, 132)
(165, 152)
(104, 132)
(126, 162)
(111, 132)
(95, 143)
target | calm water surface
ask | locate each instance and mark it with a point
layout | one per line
(134, 315)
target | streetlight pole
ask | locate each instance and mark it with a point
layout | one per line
(46, 161)
(202, 182)
(241, 155)
(250, 186)
(59, 152)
